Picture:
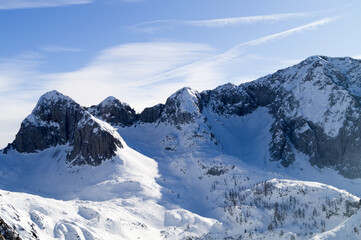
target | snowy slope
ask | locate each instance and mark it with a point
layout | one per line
(349, 229)
(45, 218)
(232, 192)
(118, 199)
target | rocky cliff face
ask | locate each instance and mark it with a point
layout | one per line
(182, 107)
(229, 99)
(58, 120)
(7, 232)
(114, 112)
(151, 114)
(315, 106)
(316, 112)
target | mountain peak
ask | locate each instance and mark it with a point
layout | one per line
(52, 101)
(184, 89)
(53, 97)
(186, 99)
(183, 106)
(226, 87)
(343, 64)
(323, 70)
(316, 58)
(111, 100)
(57, 120)
(114, 111)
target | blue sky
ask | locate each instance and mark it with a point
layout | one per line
(141, 51)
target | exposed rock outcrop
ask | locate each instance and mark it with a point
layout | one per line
(182, 107)
(151, 114)
(7, 232)
(114, 112)
(229, 99)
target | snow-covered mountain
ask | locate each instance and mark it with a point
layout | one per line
(276, 158)
(59, 120)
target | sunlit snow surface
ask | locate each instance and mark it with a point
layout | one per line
(117, 200)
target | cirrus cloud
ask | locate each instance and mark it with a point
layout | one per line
(17, 4)
(21, 4)
(156, 25)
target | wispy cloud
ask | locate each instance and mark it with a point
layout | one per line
(235, 51)
(21, 4)
(153, 26)
(120, 70)
(225, 22)
(19, 88)
(132, 1)
(14, 72)
(17, 4)
(57, 49)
